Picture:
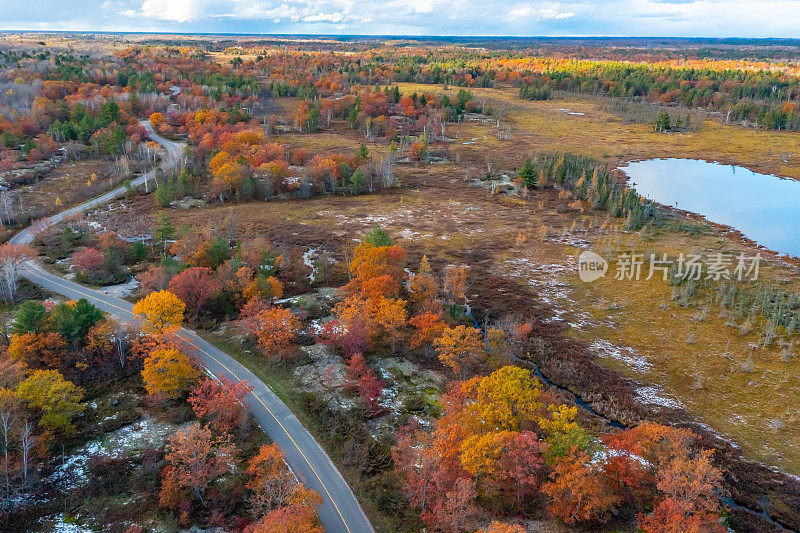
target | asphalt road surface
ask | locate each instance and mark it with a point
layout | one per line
(340, 511)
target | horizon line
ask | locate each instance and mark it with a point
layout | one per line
(396, 36)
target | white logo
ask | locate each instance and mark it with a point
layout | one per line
(591, 266)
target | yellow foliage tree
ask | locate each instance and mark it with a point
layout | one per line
(459, 347)
(562, 419)
(497, 347)
(264, 288)
(391, 317)
(56, 398)
(218, 161)
(168, 372)
(422, 286)
(504, 399)
(163, 311)
(227, 170)
(480, 454)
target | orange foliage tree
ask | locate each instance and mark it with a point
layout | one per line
(370, 261)
(579, 491)
(38, 349)
(455, 281)
(502, 527)
(156, 120)
(688, 500)
(289, 519)
(194, 459)
(275, 328)
(271, 483)
(429, 326)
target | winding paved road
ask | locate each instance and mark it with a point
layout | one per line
(340, 511)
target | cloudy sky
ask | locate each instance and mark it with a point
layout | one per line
(709, 18)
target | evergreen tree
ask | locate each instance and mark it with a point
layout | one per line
(163, 232)
(662, 123)
(396, 94)
(527, 174)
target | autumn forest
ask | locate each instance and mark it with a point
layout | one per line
(283, 284)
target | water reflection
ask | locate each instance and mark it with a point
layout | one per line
(765, 208)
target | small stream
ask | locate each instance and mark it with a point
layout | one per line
(579, 401)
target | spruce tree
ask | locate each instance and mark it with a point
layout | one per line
(527, 174)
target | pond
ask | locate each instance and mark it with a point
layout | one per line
(765, 208)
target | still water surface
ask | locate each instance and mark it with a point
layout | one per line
(765, 208)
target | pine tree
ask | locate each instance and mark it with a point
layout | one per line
(527, 174)
(163, 232)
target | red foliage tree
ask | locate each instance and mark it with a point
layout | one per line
(519, 465)
(195, 286)
(153, 279)
(370, 389)
(352, 338)
(457, 511)
(220, 402)
(88, 260)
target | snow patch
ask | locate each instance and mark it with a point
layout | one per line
(603, 348)
(310, 258)
(136, 437)
(60, 525)
(653, 396)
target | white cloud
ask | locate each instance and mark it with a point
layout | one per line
(713, 18)
(421, 6)
(176, 10)
(325, 17)
(519, 13)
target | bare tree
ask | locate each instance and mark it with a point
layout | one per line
(12, 257)
(72, 149)
(27, 442)
(121, 341)
(7, 199)
(6, 421)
